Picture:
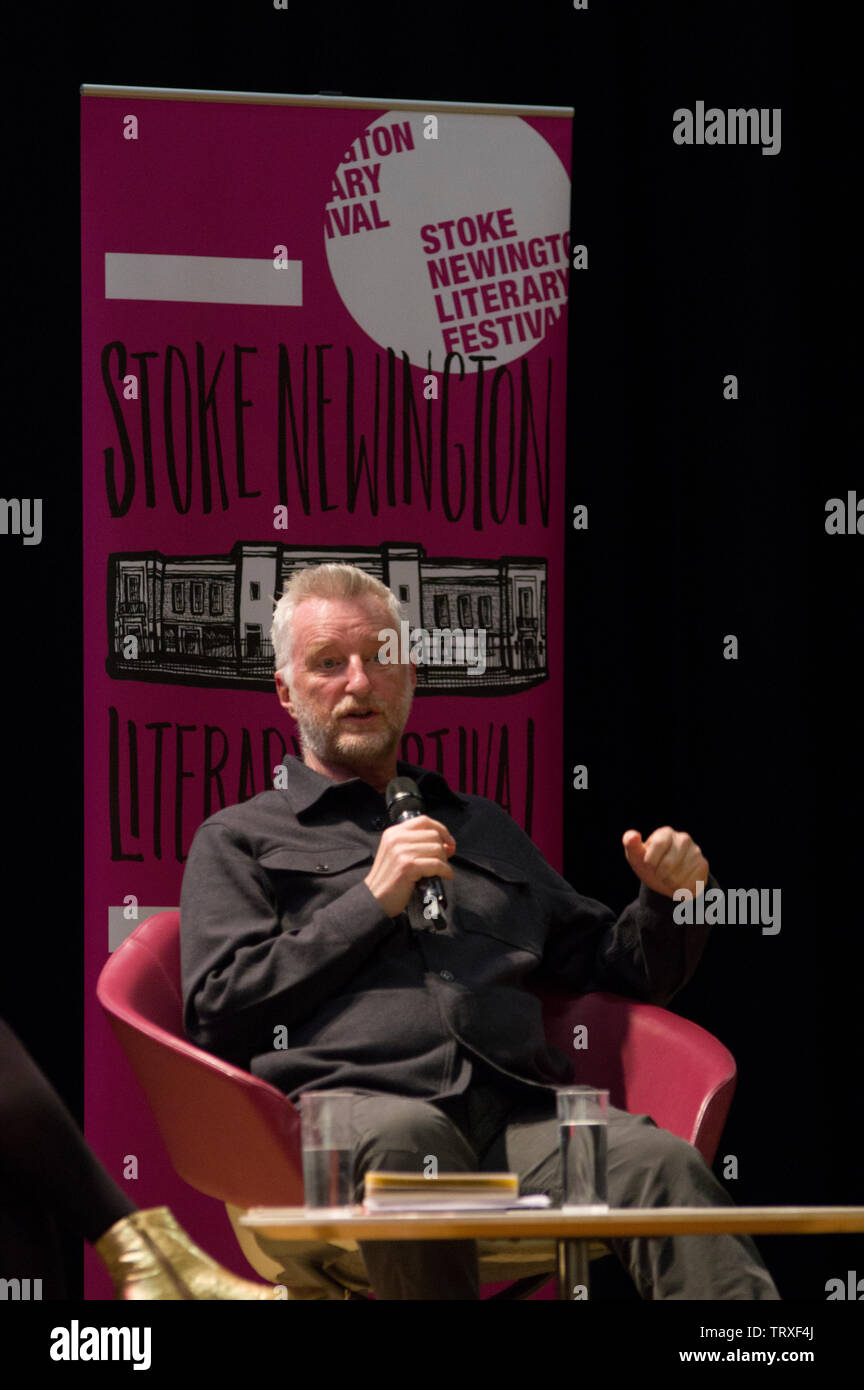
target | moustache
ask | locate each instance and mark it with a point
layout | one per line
(359, 709)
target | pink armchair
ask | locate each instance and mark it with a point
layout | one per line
(652, 1061)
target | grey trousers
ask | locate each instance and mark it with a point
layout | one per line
(492, 1130)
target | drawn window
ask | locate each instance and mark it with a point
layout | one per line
(216, 599)
(464, 605)
(254, 589)
(197, 592)
(484, 611)
(442, 610)
(177, 604)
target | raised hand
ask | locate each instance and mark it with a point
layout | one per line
(667, 860)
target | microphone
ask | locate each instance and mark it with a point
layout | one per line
(404, 802)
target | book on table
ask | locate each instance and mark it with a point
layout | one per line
(393, 1191)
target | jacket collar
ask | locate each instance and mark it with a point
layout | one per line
(306, 787)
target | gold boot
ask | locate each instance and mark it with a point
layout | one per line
(150, 1256)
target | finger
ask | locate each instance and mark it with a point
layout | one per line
(426, 848)
(431, 868)
(672, 858)
(673, 874)
(434, 850)
(633, 846)
(419, 837)
(429, 823)
(657, 844)
(685, 847)
(688, 870)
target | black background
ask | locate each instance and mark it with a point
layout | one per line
(706, 517)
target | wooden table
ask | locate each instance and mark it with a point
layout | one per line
(571, 1231)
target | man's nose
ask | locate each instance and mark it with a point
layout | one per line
(358, 680)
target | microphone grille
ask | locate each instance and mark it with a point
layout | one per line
(402, 795)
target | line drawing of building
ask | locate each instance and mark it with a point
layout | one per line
(205, 619)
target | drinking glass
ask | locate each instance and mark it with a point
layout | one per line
(583, 1121)
(328, 1145)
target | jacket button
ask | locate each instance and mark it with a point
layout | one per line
(447, 975)
(321, 868)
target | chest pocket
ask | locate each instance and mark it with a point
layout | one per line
(326, 860)
(494, 898)
(305, 879)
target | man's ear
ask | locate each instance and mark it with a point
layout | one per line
(283, 691)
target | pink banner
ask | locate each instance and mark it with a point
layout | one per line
(309, 332)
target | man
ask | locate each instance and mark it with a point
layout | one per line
(300, 918)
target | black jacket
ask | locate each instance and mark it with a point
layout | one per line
(292, 970)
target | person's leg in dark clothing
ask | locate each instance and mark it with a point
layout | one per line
(396, 1132)
(51, 1181)
(45, 1161)
(647, 1167)
(404, 1134)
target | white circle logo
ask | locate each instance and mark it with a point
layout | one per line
(448, 233)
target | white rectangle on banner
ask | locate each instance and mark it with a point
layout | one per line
(203, 279)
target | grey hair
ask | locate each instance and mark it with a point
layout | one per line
(330, 580)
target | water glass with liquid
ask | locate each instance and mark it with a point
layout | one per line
(583, 1121)
(327, 1132)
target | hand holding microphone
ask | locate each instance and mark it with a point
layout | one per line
(414, 852)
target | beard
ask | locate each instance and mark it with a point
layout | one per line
(332, 741)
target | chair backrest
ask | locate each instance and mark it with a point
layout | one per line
(652, 1062)
(229, 1134)
(237, 1138)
